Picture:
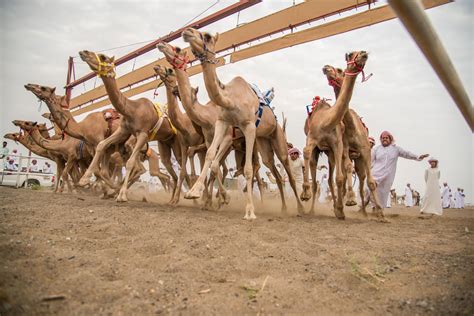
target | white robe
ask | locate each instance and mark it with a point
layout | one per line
(457, 199)
(384, 167)
(445, 196)
(462, 199)
(408, 197)
(432, 198)
(297, 172)
(323, 192)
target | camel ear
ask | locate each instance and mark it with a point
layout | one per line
(35, 123)
(112, 59)
(53, 90)
(197, 90)
(216, 37)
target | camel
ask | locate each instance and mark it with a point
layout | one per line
(74, 151)
(355, 141)
(189, 136)
(238, 105)
(140, 118)
(94, 128)
(326, 134)
(204, 119)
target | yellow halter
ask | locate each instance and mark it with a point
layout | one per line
(105, 69)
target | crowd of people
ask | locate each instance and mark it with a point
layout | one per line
(11, 161)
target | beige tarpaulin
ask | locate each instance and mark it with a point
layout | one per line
(343, 25)
(272, 23)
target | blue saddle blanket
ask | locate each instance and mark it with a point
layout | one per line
(264, 99)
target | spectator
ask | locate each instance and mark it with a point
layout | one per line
(34, 166)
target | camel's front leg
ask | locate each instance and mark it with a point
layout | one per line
(118, 136)
(267, 154)
(307, 155)
(165, 153)
(249, 132)
(219, 160)
(131, 162)
(332, 165)
(198, 187)
(313, 165)
(361, 174)
(59, 171)
(338, 154)
(182, 175)
(154, 165)
(365, 156)
(65, 174)
(348, 169)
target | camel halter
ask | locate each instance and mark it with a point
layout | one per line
(176, 58)
(335, 83)
(105, 69)
(203, 57)
(359, 69)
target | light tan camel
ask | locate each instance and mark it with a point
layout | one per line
(356, 142)
(204, 117)
(189, 136)
(74, 151)
(94, 128)
(140, 118)
(238, 105)
(326, 134)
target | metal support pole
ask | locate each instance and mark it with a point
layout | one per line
(415, 20)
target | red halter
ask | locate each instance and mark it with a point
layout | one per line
(359, 69)
(184, 61)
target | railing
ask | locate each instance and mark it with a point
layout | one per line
(21, 170)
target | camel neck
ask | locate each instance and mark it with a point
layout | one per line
(63, 118)
(192, 107)
(29, 143)
(41, 141)
(175, 114)
(118, 100)
(213, 86)
(342, 102)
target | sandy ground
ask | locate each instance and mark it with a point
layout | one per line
(80, 255)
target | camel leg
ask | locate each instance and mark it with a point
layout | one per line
(182, 175)
(361, 174)
(219, 133)
(249, 132)
(65, 175)
(165, 154)
(366, 158)
(131, 162)
(154, 165)
(281, 150)
(313, 165)
(224, 150)
(338, 154)
(308, 156)
(332, 164)
(266, 151)
(118, 136)
(59, 171)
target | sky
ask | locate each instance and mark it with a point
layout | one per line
(404, 95)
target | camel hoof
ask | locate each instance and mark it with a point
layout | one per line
(351, 203)
(84, 181)
(250, 217)
(122, 197)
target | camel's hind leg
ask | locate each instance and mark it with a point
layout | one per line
(182, 175)
(365, 157)
(131, 162)
(280, 147)
(154, 165)
(337, 149)
(165, 153)
(266, 151)
(308, 156)
(224, 150)
(59, 171)
(348, 168)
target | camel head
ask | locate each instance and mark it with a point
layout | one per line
(25, 125)
(356, 62)
(13, 136)
(48, 116)
(42, 92)
(167, 75)
(202, 44)
(334, 75)
(101, 64)
(194, 93)
(177, 57)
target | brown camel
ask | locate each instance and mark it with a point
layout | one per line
(74, 151)
(189, 136)
(326, 134)
(204, 118)
(140, 118)
(238, 105)
(355, 142)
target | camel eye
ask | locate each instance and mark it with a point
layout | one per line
(178, 50)
(207, 37)
(43, 89)
(102, 57)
